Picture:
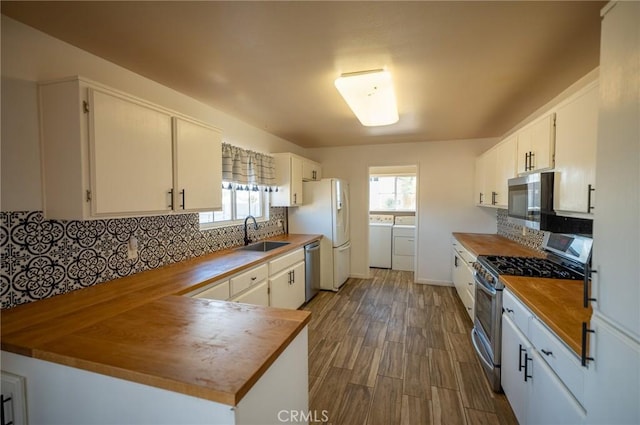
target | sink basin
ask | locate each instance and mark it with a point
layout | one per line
(263, 246)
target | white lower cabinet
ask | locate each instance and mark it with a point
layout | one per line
(516, 388)
(287, 287)
(287, 280)
(612, 381)
(215, 291)
(550, 401)
(462, 276)
(278, 283)
(257, 294)
(535, 389)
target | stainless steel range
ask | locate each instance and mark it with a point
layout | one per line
(567, 257)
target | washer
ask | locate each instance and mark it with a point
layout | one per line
(404, 245)
(380, 229)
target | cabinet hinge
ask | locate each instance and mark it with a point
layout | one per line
(85, 106)
(88, 196)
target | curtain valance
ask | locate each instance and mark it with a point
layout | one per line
(243, 166)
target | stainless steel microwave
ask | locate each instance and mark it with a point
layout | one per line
(531, 200)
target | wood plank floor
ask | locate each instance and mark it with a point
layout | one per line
(388, 351)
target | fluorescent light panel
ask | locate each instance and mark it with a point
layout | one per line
(370, 96)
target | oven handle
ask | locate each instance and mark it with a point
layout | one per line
(489, 290)
(475, 346)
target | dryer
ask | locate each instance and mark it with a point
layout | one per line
(404, 243)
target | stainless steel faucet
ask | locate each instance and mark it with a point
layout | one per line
(247, 241)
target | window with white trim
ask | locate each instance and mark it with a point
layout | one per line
(392, 192)
(238, 201)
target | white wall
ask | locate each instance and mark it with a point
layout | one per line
(29, 56)
(445, 197)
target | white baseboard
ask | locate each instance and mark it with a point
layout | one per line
(434, 282)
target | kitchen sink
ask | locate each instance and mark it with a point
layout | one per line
(263, 246)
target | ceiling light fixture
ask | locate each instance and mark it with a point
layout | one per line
(370, 96)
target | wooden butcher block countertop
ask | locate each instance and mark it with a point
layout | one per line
(557, 302)
(488, 244)
(214, 350)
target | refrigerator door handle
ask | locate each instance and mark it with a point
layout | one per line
(344, 247)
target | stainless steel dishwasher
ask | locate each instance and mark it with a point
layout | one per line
(312, 270)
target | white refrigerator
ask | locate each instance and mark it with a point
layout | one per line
(326, 212)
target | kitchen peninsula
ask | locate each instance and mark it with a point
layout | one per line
(135, 350)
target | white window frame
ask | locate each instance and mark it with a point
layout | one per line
(266, 204)
(395, 176)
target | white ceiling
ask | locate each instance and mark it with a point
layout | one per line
(461, 69)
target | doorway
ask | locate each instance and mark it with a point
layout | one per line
(393, 212)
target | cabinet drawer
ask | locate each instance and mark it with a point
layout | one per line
(464, 254)
(249, 278)
(214, 291)
(562, 360)
(285, 261)
(468, 301)
(516, 311)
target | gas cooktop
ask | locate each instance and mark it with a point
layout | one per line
(530, 266)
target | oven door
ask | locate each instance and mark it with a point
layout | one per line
(487, 316)
(486, 333)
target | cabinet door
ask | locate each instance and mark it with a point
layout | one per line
(130, 156)
(514, 352)
(576, 136)
(310, 170)
(296, 181)
(550, 401)
(479, 195)
(288, 180)
(287, 287)
(198, 167)
(543, 143)
(258, 295)
(486, 176)
(536, 144)
(505, 170)
(612, 381)
(456, 273)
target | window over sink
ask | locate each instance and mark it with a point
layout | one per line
(238, 201)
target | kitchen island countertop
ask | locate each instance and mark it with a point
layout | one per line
(140, 329)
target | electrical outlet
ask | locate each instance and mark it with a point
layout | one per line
(132, 248)
(279, 223)
(524, 230)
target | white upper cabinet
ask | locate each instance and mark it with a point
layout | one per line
(494, 168)
(576, 137)
(311, 170)
(536, 145)
(288, 180)
(505, 170)
(486, 177)
(198, 155)
(130, 156)
(108, 154)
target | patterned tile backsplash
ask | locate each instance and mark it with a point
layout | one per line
(43, 258)
(533, 238)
